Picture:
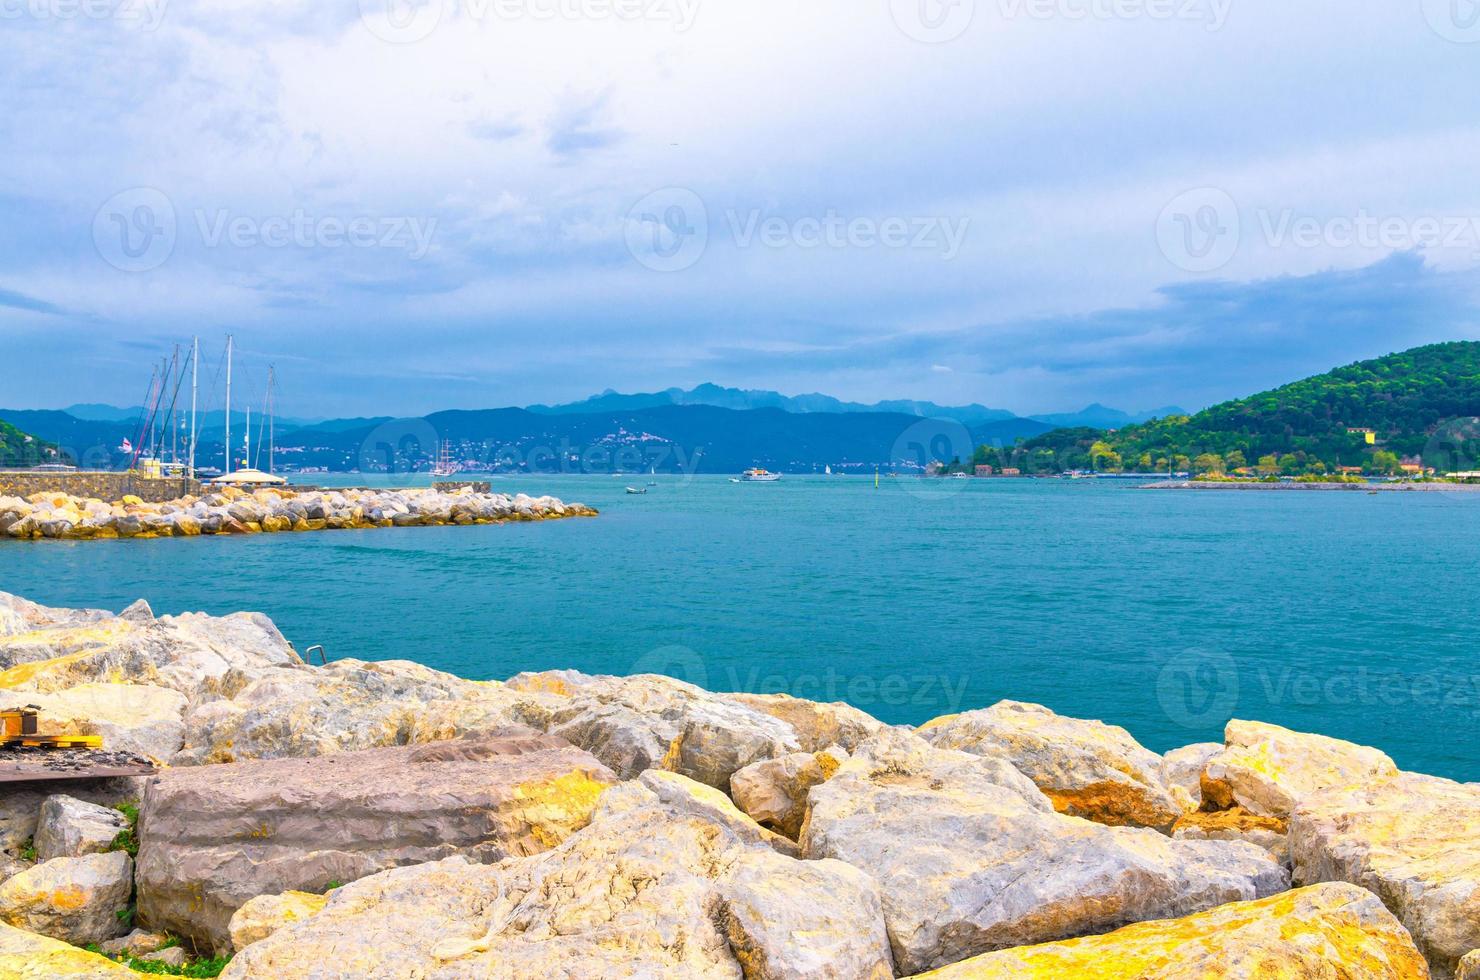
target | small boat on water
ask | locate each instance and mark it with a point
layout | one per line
(758, 475)
(734, 479)
(636, 491)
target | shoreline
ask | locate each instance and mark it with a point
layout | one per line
(232, 511)
(1347, 487)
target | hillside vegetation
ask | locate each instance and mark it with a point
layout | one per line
(19, 449)
(1421, 404)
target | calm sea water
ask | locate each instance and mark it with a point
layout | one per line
(1167, 613)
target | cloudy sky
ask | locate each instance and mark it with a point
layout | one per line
(1033, 204)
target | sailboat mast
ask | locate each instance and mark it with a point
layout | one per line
(247, 452)
(271, 415)
(229, 344)
(194, 393)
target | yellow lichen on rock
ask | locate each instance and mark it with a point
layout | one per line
(1268, 769)
(27, 956)
(1329, 931)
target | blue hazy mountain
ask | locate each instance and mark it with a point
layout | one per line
(1098, 416)
(742, 399)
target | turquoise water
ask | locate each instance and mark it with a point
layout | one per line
(1167, 613)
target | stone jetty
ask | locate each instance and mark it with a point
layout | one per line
(235, 511)
(382, 819)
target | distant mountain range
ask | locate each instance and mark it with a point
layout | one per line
(740, 399)
(706, 429)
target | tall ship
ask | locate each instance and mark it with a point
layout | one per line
(758, 475)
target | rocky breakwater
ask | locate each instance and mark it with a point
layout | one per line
(234, 511)
(388, 820)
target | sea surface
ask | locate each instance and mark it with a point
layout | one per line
(1165, 612)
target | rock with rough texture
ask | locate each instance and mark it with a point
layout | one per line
(349, 705)
(266, 914)
(213, 837)
(1329, 931)
(774, 792)
(817, 725)
(20, 803)
(648, 890)
(173, 956)
(69, 827)
(1469, 967)
(1087, 768)
(968, 865)
(652, 722)
(1414, 841)
(1237, 824)
(1182, 769)
(49, 650)
(1267, 769)
(138, 718)
(136, 943)
(74, 899)
(27, 956)
(682, 795)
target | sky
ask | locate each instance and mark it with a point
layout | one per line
(413, 205)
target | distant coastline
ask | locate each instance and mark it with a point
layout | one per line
(1291, 485)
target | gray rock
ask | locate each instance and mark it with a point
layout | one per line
(174, 956)
(74, 899)
(69, 827)
(213, 837)
(968, 865)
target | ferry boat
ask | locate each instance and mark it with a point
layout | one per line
(759, 476)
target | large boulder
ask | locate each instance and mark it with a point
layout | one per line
(75, 899)
(299, 712)
(1267, 769)
(650, 889)
(213, 837)
(774, 792)
(817, 725)
(1087, 768)
(1269, 833)
(69, 827)
(20, 803)
(1332, 931)
(27, 956)
(49, 650)
(969, 864)
(1414, 841)
(138, 718)
(1469, 967)
(266, 914)
(653, 722)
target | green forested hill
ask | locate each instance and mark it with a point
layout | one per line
(1421, 404)
(19, 449)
